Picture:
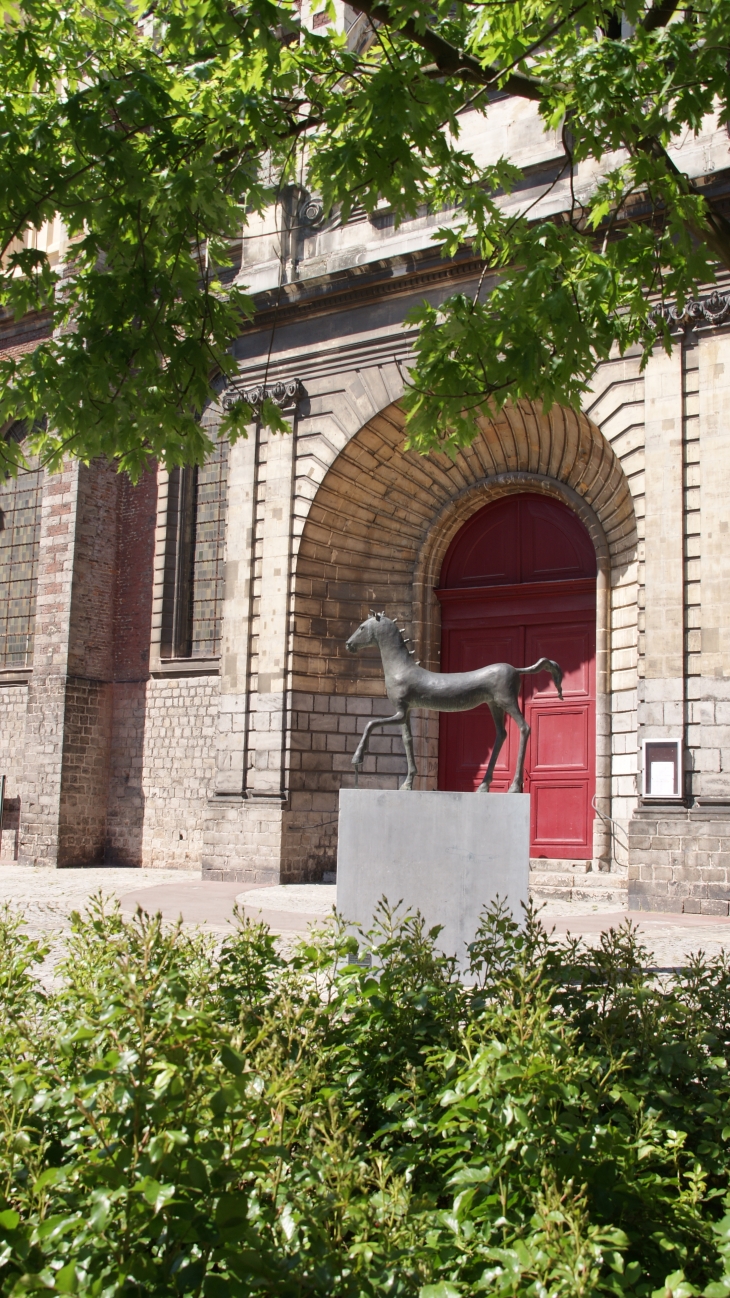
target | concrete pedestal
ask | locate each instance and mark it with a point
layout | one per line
(445, 854)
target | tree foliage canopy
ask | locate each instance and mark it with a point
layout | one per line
(154, 130)
(184, 1119)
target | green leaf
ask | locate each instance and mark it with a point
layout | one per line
(232, 1060)
(67, 1279)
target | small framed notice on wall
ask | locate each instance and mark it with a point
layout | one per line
(662, 776)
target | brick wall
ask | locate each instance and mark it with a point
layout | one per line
(43, 742)
(88, 703)
(133, 595)
(133, 592)
(42, 756)
(91, 624)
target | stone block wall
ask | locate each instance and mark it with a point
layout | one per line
(680, 860)
(325, 731)
(87, 733)
(243, 841)
(13, 705)
(680, 853)
(126, 793)
(178, 769)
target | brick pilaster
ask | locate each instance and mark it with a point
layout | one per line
(68, 720)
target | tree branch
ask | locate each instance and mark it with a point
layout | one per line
(714, 229)
(450, 60)
(659, 15)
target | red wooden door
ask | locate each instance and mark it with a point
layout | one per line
(518, 583)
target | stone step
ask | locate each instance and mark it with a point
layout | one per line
(550, 881)
(546, 885)
(543, 864)
(551, 894)
(619, 896)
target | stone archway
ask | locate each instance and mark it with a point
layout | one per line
(375, 535)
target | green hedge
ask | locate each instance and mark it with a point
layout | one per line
(180, 1117)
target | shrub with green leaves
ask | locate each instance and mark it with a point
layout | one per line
(181, 1117)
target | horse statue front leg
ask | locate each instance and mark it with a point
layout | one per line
(362, 748)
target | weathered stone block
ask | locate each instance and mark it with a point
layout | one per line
(715, 907)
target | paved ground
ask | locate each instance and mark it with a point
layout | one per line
(47, 897)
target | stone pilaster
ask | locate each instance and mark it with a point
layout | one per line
(714, 704)
(236, 630)
(662, 712)
(269, 705)
(246, 816)
(661, 692)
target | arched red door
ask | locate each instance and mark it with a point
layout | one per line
(519, 582)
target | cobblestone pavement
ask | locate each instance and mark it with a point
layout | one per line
(47, 897)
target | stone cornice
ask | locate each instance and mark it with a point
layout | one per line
(357, 285)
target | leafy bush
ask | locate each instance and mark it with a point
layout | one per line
(180, 1117)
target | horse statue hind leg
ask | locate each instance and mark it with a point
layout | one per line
(408, 745)
(500, 736)
(515, 712)
(511, 707)
(508, 702)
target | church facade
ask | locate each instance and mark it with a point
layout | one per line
(174, 684)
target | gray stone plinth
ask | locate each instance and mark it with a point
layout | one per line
(445, 854)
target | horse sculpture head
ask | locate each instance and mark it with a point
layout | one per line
(366, 634)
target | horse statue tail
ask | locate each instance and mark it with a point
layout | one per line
(545, 664)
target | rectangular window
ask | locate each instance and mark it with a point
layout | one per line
(194, 558)
(20, 526)
(209, 554)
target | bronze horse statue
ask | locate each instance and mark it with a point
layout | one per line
(408, 685)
